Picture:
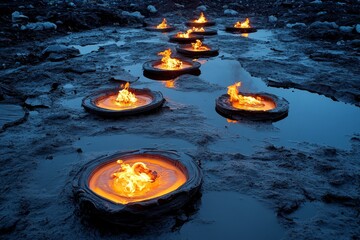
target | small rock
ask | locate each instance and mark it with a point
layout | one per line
(296, 25)
(202, 8)
(272, 19)
(324, 25)
(230, 12)
(136, 14)
(317, 2)
(321, 13)
(346, 29)
(42, 101)
(179, 5)
(68, 86)
(357, 28)
(59, 52)
(39, 26)
(18, 17)
(71, 4)
(151, 9)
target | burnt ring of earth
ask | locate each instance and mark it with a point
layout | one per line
(165, 74)
(190, 39)
(153, 101)
(240, 30)
(186, 49)
(137, 213)
(202, 24)
(206, 32)
(225, 108)
(155, 29)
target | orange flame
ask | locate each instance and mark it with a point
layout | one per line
(126, 97)
(199, 46)
(195, 29)
(238, 99)
(163, 24)
(245, 24)
(184, 35)
(201, 19)
(168, 62)
(131, 180)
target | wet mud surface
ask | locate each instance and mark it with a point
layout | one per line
(295, 178)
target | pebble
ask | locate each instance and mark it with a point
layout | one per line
(151, 9)
(324, 25)
(230, 12)
(272, 19)
(346, 29)
(357, 28)
(296, 25)
(202, 8)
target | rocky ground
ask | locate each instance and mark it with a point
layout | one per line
(44, 76)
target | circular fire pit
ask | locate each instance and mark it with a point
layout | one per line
(168, 67)
(105, 102)
(252, 106)
(203, 31)
(191, 38)
(241, 27)
(200, 22)
(162, 27)
(197, 49)
(132, 188)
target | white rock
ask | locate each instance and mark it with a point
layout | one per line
(230, 12)
(357, 28)
(39, 26)
(321, 13)
(317, 2)
(71, 4)
(18, 17)
(296, 25)
(133, 14)
(202, 8)
(346, 29)
(272, 19)
(324, 25)
(151, 9)
(68, 86)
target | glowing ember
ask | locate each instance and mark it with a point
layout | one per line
(169, 63)
(137, 179)
(126, 97)
(245, 24)
(195, 29)
(170, 84)
(198, 46)
(201, 19)
(133, 180)
(248, 102)
(184, 35)
(163, 24)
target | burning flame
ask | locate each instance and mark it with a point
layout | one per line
(129, 180)
(163, 24)
(245, 24)
(198, 45)
(126, 97)
(195, 29)
(184, 35)
(201, 19)
(237, 98)
(168, 62)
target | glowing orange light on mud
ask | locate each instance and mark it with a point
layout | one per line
(198, 45)
(163, 24)
(201, 19)
(168, 62)
(248, 102)
(245, 24)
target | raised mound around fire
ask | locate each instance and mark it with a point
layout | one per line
(191, 38)
(132, 188)
(268, 107)
(106, 103)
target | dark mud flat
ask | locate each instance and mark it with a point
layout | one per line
(295, 178)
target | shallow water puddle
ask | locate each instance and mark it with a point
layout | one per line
(230, 215)
(312, 118)
(85, 49)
